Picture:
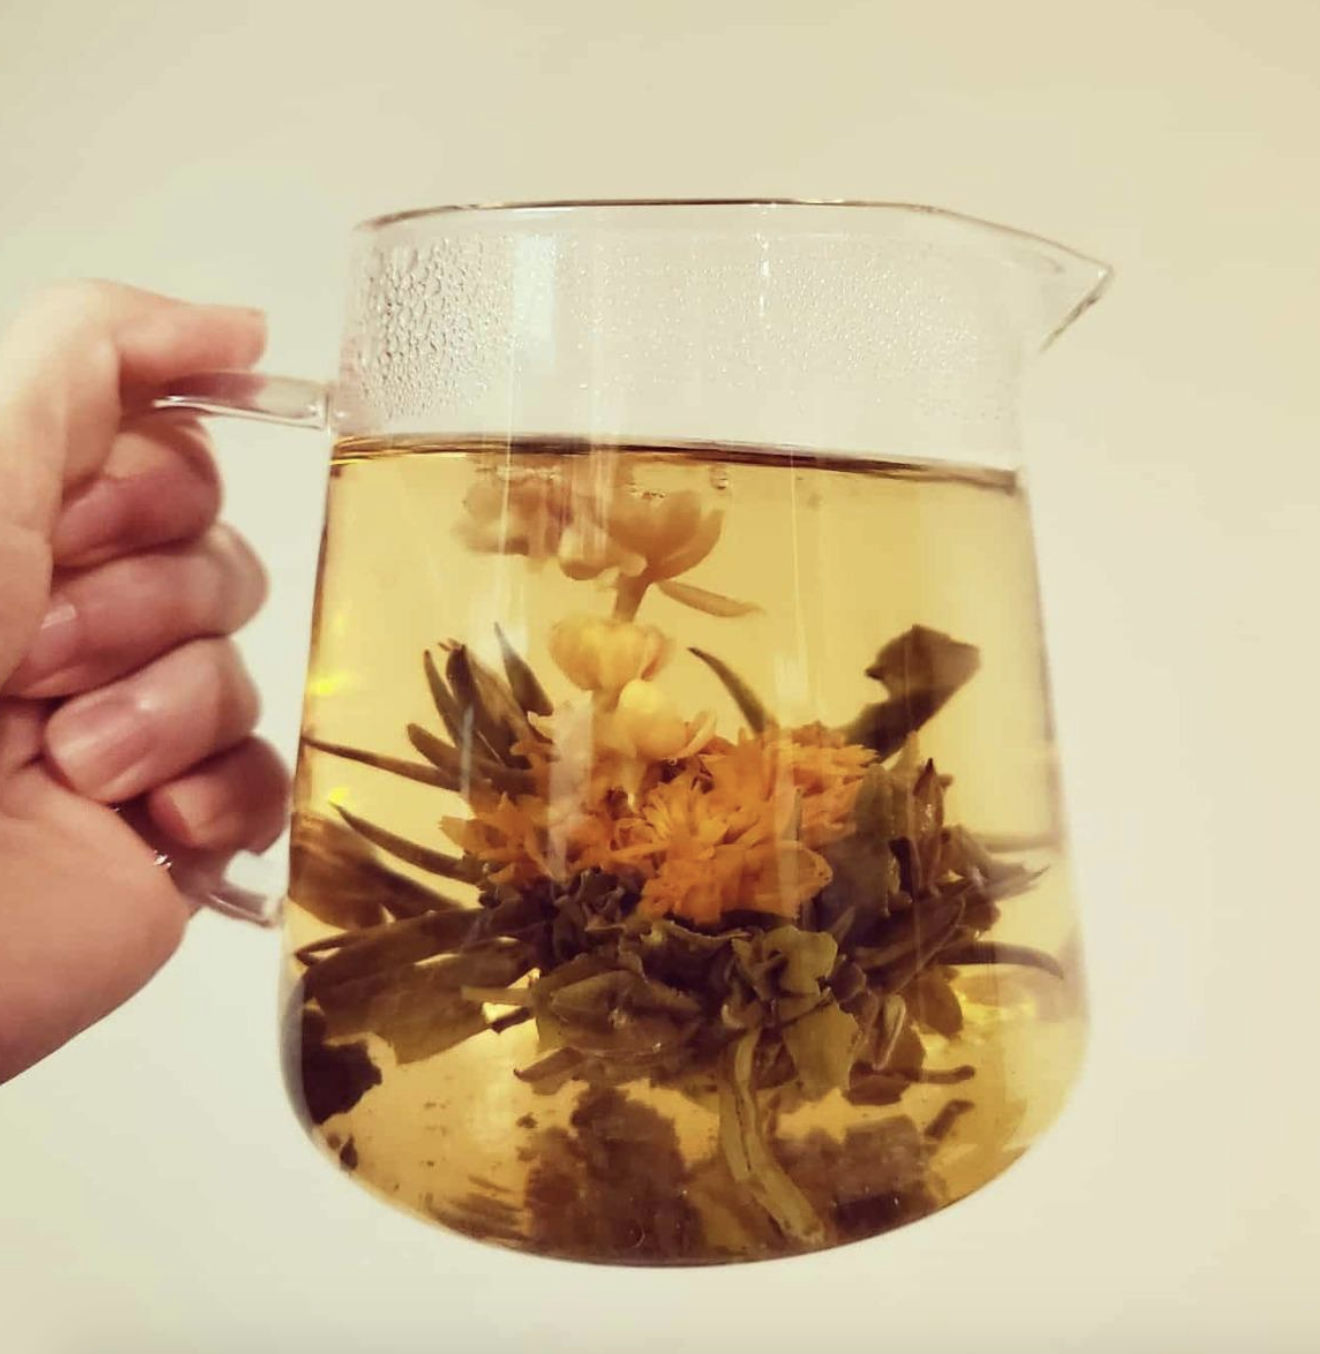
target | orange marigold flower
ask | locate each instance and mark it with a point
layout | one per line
(738, 827)
(508, 833)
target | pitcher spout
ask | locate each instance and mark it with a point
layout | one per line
(1069, 285)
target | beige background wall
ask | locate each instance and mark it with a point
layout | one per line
(155, 1193)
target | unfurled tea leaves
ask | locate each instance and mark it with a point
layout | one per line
(823, 1046)
(419, 1010)
(391, 946)
(906, 943)
(604, 996)
(748, 1154)
(786, 960)
(334, 876)
(418, 1023)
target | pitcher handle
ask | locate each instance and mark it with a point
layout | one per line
(244, 394)
(250, 887)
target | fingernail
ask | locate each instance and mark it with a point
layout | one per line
(244, 312)
(55, 647)
(97, 743)
(205, 816)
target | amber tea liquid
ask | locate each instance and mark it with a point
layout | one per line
(819, 562)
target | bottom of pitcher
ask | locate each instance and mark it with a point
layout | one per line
(639, 1175)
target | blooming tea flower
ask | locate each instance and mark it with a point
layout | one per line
(599, 653)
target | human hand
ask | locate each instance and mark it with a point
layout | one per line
(118, 684)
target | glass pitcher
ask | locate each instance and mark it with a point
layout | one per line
(677, 869)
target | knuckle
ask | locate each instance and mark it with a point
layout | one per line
(72, 295)
(76, 304)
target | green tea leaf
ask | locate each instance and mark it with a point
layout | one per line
(616, 1014)
(933, 1003)
(496, 716)
(994, 952)
(605, 995)
(943, 1123)
(944, 1076)
(420, 1010)
(922, 659)
(969, 857)
(789, 1009)
(866, 870)
(446, 705)
(427, 775)
(392, 946)
(921, 669)
(877, 1088)
(912, 938)
(822, 1045)
(418, 1029)
(612, 1182)
(467, 771)
(554, 1068)
(893, 1024)
(433, 862)
(753, 711)
(786, 960)
(748, 1154)
(808, 957)
(523, 682)
(334, 875)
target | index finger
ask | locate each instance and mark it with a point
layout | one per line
(71, 362)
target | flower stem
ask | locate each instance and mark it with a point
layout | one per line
(631, 592)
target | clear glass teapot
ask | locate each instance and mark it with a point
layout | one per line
(677, 869)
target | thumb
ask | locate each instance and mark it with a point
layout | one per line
(72, 360)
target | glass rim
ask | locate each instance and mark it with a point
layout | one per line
(374, 224)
